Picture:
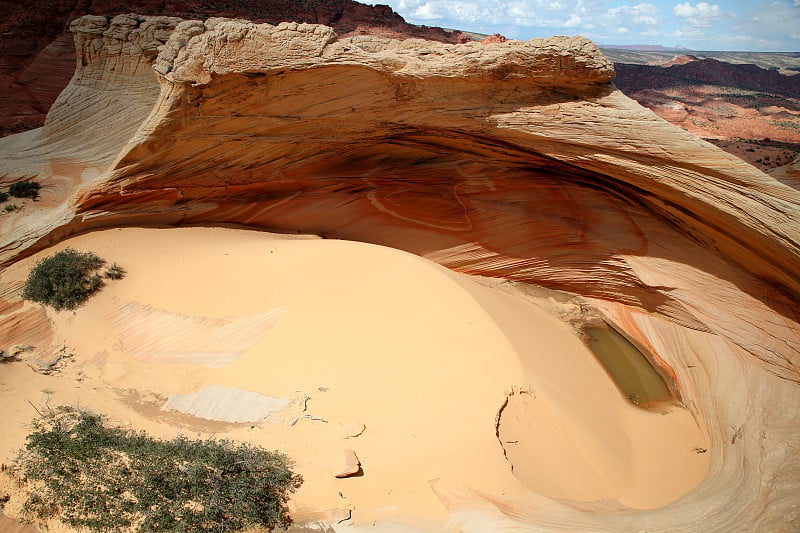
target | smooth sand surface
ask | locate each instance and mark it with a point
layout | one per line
(423, 357)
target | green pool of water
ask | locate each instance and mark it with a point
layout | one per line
(628, 367)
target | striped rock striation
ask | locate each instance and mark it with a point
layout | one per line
(517, 160)
(37, 55)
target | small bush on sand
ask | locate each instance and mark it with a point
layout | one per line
(109, 479)
(64, 280)
(115, 272)
(3, 196)
(24, 189)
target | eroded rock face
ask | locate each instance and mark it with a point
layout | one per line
(37, 56)
(788, 174)
(508, 159)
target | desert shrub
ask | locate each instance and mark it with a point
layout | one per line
(64, 280)
(3, 196)
(24, 189)
(115, 272)
(108, 479)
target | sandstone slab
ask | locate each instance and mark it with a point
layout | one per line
(351, 465)
(226, 404)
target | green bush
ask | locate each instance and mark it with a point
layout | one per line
(115, 272)
(110, 479)
(64, 280)
(25, 189)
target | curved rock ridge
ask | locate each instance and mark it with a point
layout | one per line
(113, 86)
(197, 51)
(37, 51)
(516, 160)
(788, 174)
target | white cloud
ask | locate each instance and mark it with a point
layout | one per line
(701, 14)
(773, 27)
(643, 14)
(702, 25)
(490, 14)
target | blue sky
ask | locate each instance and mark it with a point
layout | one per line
(749, 25)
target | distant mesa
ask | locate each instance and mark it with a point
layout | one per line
(746, 103)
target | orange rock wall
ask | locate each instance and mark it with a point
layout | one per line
(515, 160)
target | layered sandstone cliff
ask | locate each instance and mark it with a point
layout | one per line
(37, 56)
(517, 160)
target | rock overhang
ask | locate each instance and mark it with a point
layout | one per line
(512, 159)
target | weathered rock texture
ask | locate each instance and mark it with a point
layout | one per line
(226, 404)
(155, 334)
(788, 174)
(37, 56)
(515, 160)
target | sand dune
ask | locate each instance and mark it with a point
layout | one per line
(421, 356)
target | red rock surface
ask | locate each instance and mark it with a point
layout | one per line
(751, 112)
(37, 55)
(496, 38)
(351, 465)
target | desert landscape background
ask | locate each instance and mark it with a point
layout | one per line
(475, 274)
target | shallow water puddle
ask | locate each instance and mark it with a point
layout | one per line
(629, 368)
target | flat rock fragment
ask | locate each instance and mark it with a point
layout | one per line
(352, 466)
(226, 404)
(352, 429)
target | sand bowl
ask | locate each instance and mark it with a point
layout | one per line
(423, 357)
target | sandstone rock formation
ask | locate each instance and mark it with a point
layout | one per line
(351, 465)
(37, 56)
(226, 404)
(788, 174)
(513, 160)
